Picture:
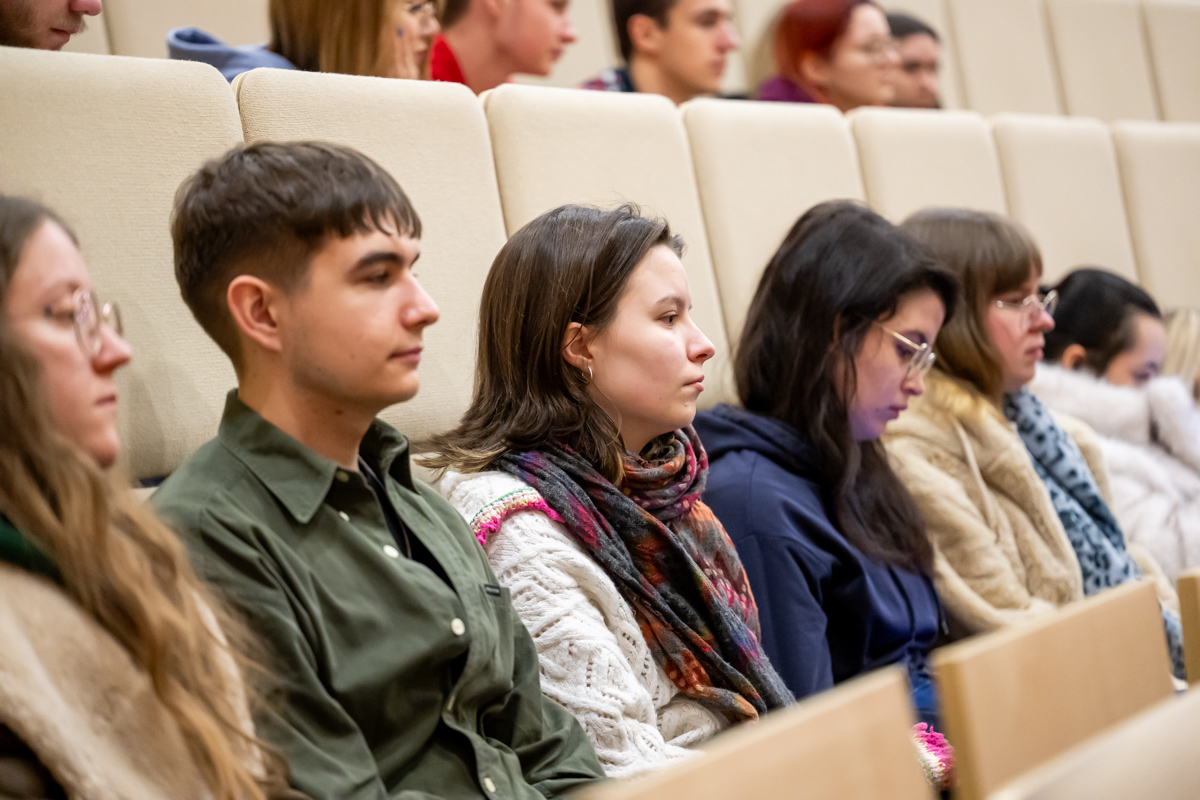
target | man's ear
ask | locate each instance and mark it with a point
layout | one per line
(645, 35)
(1074, 357)
(575, 347)
(496, 8)
(253, 304)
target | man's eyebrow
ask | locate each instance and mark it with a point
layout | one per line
(380, 257)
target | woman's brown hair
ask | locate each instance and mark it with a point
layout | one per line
(568, 265)
(344, 36)
(990, 255)
(123, 566)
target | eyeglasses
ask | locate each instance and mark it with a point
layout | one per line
(1031, 307)
(920, 356)
(85, 313)
(880, 49)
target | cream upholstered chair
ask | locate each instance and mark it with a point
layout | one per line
(851, 743)
(760, 166)
(913, 159)
(1173, 28)
(1188, 585)
(139, 27)
(1018, 697)
(93, 39)
(756, 24)
(1004, 56)
(1102, 58)
(433, 138)
(558, 146)
(1061, 180)
(1154, 754)
(106, 142)
(933, 13)
(1160, 173)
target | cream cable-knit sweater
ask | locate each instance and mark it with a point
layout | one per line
(594, 660)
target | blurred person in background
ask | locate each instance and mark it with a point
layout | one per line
(43, 24)
(917, 81)
(1183, 348)
(486, 42)
(838, 52)
(1016, 499)
(380, 38)
(1103, 361)
(676, 48)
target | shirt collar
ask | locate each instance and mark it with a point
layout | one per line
(298, 476)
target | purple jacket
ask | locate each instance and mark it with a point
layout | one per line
(781, 90)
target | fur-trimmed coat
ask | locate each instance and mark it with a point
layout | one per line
(1150, 438)
(72, 699)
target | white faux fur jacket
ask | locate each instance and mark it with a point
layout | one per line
(594, 660)
(1150, 438)
(72, 694)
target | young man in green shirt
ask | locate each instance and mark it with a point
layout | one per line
(405, 671)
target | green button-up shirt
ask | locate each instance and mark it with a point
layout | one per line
(397, 684)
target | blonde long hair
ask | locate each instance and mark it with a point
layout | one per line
(121, 564)
(344, 36)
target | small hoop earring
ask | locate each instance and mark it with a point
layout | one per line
(591, 377)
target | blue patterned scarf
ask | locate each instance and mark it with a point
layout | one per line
(1091, 527)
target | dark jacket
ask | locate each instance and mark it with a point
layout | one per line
(828, 611)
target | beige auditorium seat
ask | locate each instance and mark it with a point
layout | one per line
(1103, 59)
(933, 13)
(849, 743)
(759, 167)
(93, 39)
(1160, 173)
(139, 27)
(106, 141)
(433, 138)
(756, 23)
(1014, 699)
(1154, 755)
(1173, 30)
(1061, 179)
(1004, 56)
(595, 49)
(557, 146)
(914, 159)
(1188, 585)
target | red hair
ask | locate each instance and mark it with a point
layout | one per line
(810, 26)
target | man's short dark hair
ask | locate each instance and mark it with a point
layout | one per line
(265, 210)
(657, 10)
(906, 25)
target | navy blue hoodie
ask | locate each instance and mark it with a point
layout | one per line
(828, 612)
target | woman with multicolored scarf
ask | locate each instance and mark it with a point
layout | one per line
(1016, 498)
(580, 474)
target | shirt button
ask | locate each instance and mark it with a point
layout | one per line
(345, 517)
(489, 784)
(390, 551)
(450, 704)
(458, 626)
(341, 475)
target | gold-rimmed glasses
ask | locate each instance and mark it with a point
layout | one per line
(88, 317)
(1031, 307)
(920, 356)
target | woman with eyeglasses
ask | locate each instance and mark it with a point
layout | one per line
(839, 52)
(836, 343)
(1016, 499)
(379, 38)
(117, 676)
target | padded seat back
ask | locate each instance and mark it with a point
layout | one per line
(1004, 56)
(1173, 29)
(914, 159)
(1103, 59)
(432, 137)
(1061, 179)
(106, 142)
(851, 742)
(557, 146)
(1189, 615)
(1014, 699)
(139, 27)
(759, 167)
(1160, 173)
(933, 13)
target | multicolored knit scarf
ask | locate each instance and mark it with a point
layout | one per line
(673, 563)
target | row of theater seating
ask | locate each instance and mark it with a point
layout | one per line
(1076, 705)
(1110, 59)
(107, 140)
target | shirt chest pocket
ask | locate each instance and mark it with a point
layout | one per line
(498, 618)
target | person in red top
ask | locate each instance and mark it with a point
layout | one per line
(485, 42)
